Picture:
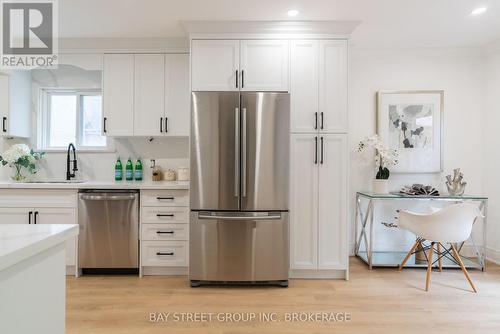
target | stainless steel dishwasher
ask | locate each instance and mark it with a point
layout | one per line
(109, 231)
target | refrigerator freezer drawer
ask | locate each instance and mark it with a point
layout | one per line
(239, 246)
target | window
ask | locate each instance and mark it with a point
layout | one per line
(71, 116)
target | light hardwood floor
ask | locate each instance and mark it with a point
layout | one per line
(378, 301)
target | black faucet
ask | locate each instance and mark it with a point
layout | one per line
(69, 174)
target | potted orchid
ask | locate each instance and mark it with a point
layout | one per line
(21, 156)
(384, 159)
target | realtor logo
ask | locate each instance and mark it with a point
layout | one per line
(29, 34)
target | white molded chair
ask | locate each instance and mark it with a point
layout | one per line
(452, 224)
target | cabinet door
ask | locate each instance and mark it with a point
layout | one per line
(264, 65)
(214, 65)
(15, 104)
(118, 95)
(303, 202)
(332, 236)
(60, 216)
(304, 86)
(177, 95)
(149, 96)
(333, 83)
(14, 215)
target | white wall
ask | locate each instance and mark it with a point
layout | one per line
(491, 167)
(459, 72)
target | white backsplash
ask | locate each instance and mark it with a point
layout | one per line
(168, 153)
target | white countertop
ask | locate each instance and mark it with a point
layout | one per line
(19, 242)
(97, 185)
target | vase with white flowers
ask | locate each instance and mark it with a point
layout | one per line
(384, 159)
(21, 156)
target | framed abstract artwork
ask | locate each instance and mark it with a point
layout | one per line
(412, 123)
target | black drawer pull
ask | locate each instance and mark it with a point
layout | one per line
(165, 198)
(165, 232)
(162, 253)
(165, 215)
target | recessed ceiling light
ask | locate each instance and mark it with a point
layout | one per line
(478, 11)
(292, 12)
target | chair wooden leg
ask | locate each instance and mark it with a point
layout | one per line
(457, 256)
(429, 267)
(439, 257)
(409, 254)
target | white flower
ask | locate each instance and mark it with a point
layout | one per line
(385, 156)
(15, 152)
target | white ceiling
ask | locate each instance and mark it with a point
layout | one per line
(385, 23)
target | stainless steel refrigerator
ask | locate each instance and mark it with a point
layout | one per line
(239, 188)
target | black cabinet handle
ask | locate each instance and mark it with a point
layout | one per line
(166, 124)
(321, 120)
(4, 124)
(161, 124)
(30, 214)
(242, 78)
(165, 198)
(315, 121)
(36, 216)
(104, 125)
(165, 232)
(315, 150)
(321, 159)
(163, 253)
(165, 215)
(236, 78)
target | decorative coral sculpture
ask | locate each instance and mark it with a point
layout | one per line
(456, 186)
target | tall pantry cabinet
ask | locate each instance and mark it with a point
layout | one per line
(318, 175)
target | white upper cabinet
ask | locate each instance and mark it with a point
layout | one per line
(232, 65)
(304, 86)
(149, 94)
(118, 95)
(214, 65)
(303, 202)
(264, 65)
(177, 95)
(333, 69)
(146, 95)
(332, 217)
(15, 104)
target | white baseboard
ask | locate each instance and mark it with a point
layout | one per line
(165, 271)
(493, 255)
(319, 274)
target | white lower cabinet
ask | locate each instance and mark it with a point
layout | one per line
(29, 206)
(318, 208)
(164, 235)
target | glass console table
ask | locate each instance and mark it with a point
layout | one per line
(366, 203)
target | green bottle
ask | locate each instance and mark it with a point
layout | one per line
(129, 170)
(118, 170)
(138, 170)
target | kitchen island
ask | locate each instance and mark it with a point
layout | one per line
(32, 277)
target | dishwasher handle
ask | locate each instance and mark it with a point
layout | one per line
(107, 197)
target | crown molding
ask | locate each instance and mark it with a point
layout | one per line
(269, 29)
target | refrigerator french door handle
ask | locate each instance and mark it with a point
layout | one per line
(236, 152)
(244, 152)
(315, 150)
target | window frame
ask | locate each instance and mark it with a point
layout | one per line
(45, 114)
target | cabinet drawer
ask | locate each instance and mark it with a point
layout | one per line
(164, 253)
(38, 198)
(165, 198)
(165, 232)
(160, 215)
